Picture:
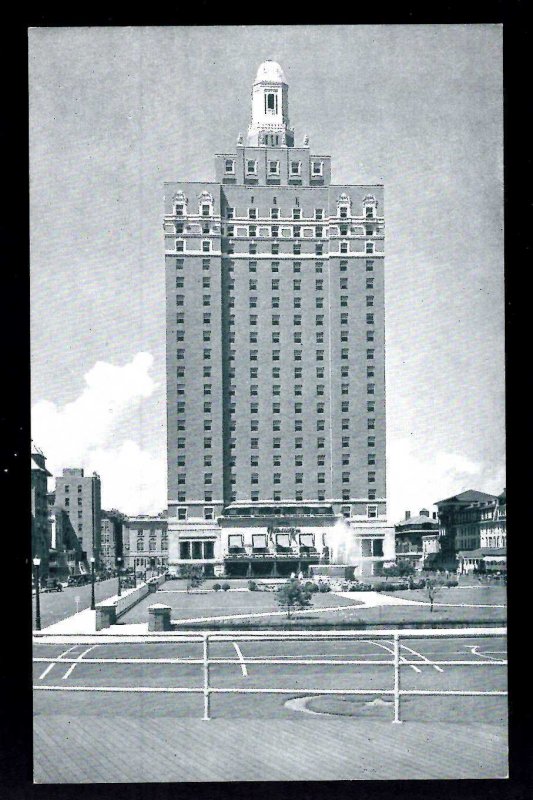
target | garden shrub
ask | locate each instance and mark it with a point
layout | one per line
(217, 587)
(225, 587)
(252, 586)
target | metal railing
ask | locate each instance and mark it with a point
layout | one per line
(206, 661)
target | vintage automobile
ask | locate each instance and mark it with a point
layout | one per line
(52, 585)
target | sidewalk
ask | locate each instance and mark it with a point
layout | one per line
(125, 749)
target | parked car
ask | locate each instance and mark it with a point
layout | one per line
(52, 585)
(77, 580)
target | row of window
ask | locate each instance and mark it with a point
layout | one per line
(296, 284)
(252, 266)
(296, 214)
(296, 248)
(276, 443)
(273, 167)
(372, 547)
(319, 231)
(343, 212)
(276, 458)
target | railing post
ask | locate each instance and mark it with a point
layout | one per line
(206, 677)
(397, 719)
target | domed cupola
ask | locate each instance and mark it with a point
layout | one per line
(270, 108)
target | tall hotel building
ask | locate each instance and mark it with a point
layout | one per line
(275, 358)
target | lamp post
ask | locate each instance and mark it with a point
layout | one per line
(37, 564)
(134, 575)
(93, 606)
(119, 592)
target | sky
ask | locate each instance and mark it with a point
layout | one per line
(116, 112)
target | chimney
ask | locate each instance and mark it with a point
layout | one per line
(407, 515)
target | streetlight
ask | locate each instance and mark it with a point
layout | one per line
(134, 575)
(37, 564)
(92, 583)
(119, 587)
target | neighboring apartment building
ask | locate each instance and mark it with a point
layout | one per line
(40, 529)
(66, 555)
(79, 495)
(409, 534)
(275, 357)
(472, 530)
(145, 542)
(111, 538)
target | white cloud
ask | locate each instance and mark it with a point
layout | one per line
(416, 481)
(83, 434)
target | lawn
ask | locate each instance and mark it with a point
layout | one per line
(197, 609)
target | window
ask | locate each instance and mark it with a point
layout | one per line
(253, 284)
(273, 167)
(276, 443)
(371, 477)
(275, 248)
(297, 249)
(297, 337)
(344, 283)
(274, 231)
(369, 266)
(370, 372)
(275, 301)
(319, 284)
(254, 444)
(206, 246)
(276, 478)
(297, 302)
(298, 443)
(344, 300)
(275, 372)
(345, 353)
(274, 213)
(371, 424)
(369, 247)
(369, 300)
(316, 167)
(296, 266)
(319, 319)
(297, 284)
(251, 167)
(370, 336)
(296, 167)
(371, 406)
(319, 302)
(180, 245)
(276, 389)
(319, 249)
(275, 355)
(319, 213)
(180, 335)
(229, 166)
(298, 425)
(296, 231)
(370, 283)
(252, 213)
(230, 213)
(296, 213)
(271, 103)
(252, 249)
(275, 284)
(370, 388)
(345, 441)
(252, 230)
(182, 514)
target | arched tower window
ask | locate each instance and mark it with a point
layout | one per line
(179, 202)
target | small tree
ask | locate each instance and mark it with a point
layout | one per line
(293, 595)
(433, 586)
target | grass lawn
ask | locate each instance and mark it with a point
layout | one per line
(343, 611)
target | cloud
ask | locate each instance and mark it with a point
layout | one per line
(83, 433)
(416, 481)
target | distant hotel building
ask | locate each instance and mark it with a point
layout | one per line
(79, 495)
(111, 538)
(275, 358)
(473, 531)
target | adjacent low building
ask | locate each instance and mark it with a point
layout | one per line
(145, 542)
(409, 535)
